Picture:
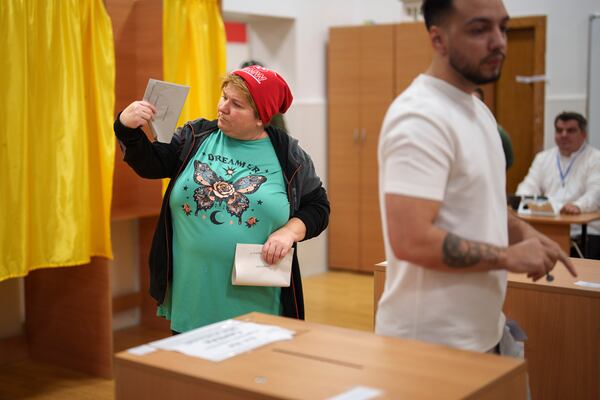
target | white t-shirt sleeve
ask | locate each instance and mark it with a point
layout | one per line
(416, 158)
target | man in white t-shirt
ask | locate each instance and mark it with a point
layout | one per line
(569, 173)
(448, 237)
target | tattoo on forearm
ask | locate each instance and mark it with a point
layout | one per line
(461, 253)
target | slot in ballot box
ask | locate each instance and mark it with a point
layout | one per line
(318, 363)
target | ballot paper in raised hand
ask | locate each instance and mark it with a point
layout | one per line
(168, 98)
(249, 269)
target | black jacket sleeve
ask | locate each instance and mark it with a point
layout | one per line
(148, 159)
(314, 212)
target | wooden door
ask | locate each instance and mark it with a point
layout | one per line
(376, 94)
(519, 107)
(343, 147)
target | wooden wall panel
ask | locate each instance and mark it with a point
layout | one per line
(13, 349)
(69, 317)
(137, 31)
(148, 49)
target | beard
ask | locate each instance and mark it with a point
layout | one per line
(474, 72)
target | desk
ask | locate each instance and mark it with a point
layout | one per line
(558, 228)
(562, 321)
(322, 361)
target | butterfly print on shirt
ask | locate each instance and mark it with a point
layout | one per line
(213, 189)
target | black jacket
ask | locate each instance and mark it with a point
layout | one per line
(307, 197)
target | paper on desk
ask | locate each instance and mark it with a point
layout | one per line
(539, 206)
(592, 285)
(141, 350)
(358, 393)
(222, 340)
(249, 269)
(168, 98)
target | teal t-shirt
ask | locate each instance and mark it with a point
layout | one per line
(231, 192)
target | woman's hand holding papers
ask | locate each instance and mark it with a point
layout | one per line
(137, 114)
(281, 241)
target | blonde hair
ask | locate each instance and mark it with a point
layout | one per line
(239, 83)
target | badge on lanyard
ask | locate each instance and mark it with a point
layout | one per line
(563, 175)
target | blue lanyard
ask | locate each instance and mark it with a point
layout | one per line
(563, 175)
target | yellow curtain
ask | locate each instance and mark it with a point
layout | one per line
(194, 53)
(56, 141)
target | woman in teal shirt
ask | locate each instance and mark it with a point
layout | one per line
(233, 181)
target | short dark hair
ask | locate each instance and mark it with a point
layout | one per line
(434, 11)
(570, 115)
(250, 63)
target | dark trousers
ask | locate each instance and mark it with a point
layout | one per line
(592, 248)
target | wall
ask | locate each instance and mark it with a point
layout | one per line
(11, 298)
(125, 268)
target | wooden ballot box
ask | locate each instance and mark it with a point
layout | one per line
(320, 362)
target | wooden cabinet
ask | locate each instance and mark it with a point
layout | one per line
(413, 53)
(367, 67)
(360, 88)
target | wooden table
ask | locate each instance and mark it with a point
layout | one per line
(562, 321)
(322, 361)
(558, 228)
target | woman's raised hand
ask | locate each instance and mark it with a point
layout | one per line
(137, 114)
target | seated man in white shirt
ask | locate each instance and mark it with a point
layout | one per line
(570, 174)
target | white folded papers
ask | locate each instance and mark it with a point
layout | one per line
(358, 393)
(249, 269)
(168, 98)
(538, 206)
(593, 285)
(222, 340)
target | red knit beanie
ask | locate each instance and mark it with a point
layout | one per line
(270, 92)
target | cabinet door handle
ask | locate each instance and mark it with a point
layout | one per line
(356, 135)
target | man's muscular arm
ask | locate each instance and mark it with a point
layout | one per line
(414, 238)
